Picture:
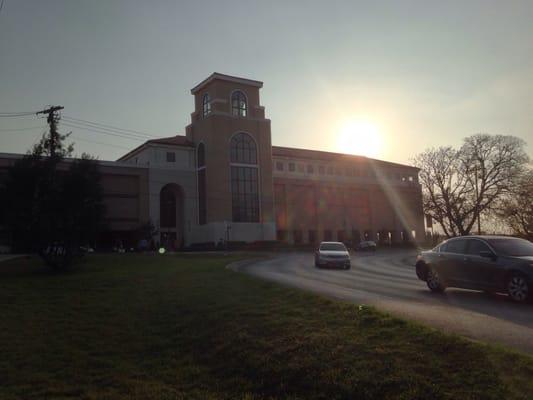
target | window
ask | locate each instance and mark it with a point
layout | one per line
(330, 170)
(244, 179)
(310, 169)
(327, 235)
(167, 206)
(206, 105)
(292, 167)
(312, 237)
(242, 149)
(245, 194)
(202, 191)
(512, 247)
(333, 247)
(238, 104)
(457, 246)
(171, 156)
(200, 156)
(341, 236)
(279, 166)
(321, 170)
(476, 246)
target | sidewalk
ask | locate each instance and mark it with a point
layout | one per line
(5, 257)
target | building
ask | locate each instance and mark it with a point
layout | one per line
(223, 180)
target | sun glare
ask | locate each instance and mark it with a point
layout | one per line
(357, 136)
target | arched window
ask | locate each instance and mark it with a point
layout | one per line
(202, 200)
(238, 104)
(243, 149)
(200, 162)
(206, 105)
(244, 179)
(167, 206)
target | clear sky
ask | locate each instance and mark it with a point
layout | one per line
(414, 74)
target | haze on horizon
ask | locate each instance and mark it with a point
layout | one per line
(415, 74)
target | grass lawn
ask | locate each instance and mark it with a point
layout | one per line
(176, 327)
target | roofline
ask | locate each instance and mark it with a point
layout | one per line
(330, 153)
(133, 151)
(227, 78)
(110, 163)
(148, 143)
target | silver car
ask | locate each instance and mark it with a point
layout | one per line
(331, 255)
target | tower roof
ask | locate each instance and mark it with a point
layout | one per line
(227, 78)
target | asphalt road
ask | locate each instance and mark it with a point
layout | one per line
(388, 281)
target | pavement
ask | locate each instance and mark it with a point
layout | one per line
(387, 280)
(5, 257)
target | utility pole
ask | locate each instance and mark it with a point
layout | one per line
(52, 119)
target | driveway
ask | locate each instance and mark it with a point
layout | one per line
(387, 280)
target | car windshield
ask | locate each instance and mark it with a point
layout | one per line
(512, 247)
(332, 247)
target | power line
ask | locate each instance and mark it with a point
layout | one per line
(23, 129)
(108, 127)
(102, 131)
(101, 143)
(15, 114)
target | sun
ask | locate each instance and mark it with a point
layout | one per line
(359, 136)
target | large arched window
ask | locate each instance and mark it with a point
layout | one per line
(238, 104)
(206, 105)
(202, 201)
(244, 178)
(243, 149)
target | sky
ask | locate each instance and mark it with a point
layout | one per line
(386, 79)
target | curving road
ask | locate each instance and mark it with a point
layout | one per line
(387, 280)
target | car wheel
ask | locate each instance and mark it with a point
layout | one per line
(518, 288)
(421, 270)
(433, 281)
(347, 267)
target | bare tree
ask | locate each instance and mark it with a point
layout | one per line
(517, 209)
(461, 185)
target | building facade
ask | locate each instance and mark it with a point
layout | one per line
(223, 180)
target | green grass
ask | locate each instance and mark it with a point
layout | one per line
(153, 327)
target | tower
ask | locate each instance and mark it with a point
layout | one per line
(234, 160)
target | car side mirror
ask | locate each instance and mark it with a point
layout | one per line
(488, 254)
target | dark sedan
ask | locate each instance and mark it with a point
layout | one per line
(489, 263)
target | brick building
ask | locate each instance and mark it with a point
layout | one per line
(224, 180)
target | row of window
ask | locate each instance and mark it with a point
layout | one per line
(342, 236)
(337, 171)
(239, 104)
